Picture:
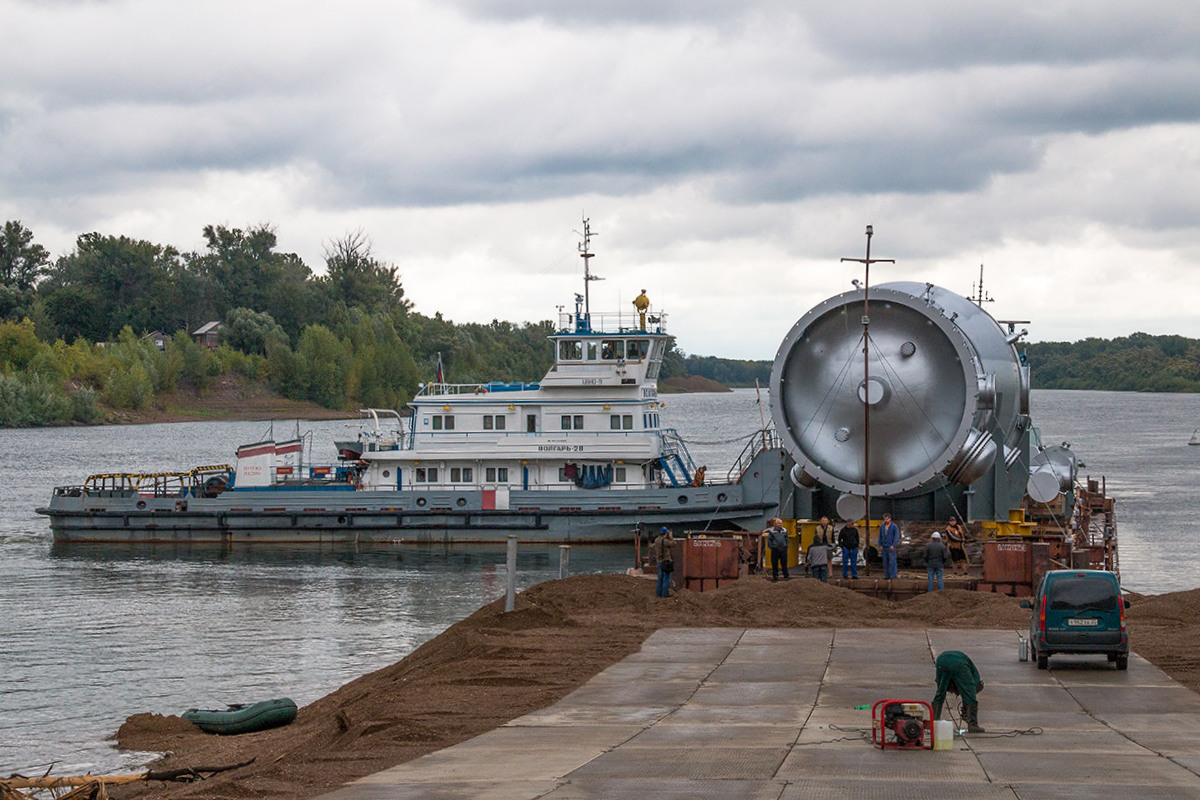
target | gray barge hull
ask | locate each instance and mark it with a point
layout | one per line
(343, 515)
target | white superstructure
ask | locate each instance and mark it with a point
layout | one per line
(591, 423)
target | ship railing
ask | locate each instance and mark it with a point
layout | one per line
(475, 389)
(618, 323)
(675, 457)
(149, 484)
(764, 439)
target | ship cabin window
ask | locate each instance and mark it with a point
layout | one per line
(496, 475)
(655, 360)
(618, 474)
(636, 349)
(425, 475)
(570, 350)
(443, 422)
(621, 422)
(574, 422)
(531, 423)
(611, 349)
(461, 475)
(493, 423)
(593, 350)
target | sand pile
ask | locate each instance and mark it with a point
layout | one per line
(493, 667)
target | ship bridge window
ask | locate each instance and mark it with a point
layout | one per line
(593, 350)
(570, 350)
(611, 349)
(638, 348)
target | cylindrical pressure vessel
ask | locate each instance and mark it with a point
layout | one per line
(942, 382)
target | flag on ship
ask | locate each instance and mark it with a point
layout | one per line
(441, 374)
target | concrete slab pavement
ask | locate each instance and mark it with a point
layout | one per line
(731, 713)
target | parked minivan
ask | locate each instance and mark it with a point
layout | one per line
(1078, 611)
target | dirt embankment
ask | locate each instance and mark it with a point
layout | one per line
(690, 383)
(493, 667)
(229, 397)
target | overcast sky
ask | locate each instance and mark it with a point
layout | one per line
(727, 153)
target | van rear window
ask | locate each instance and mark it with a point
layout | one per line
(1082, 594)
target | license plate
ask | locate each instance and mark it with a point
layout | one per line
(1077, 622)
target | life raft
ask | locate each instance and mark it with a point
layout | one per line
(243, 717)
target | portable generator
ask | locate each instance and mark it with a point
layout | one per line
(902, 725)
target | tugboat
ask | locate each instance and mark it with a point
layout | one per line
(579, 456)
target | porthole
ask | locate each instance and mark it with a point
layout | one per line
(421, 501)
(462, 501)
(387, 473)
(141, 504)
(683, 499)
(341, 520)
(722, 497)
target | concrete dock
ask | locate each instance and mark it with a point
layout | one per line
(739, 713)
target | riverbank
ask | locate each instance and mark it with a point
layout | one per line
(492, 667)
(228, 398)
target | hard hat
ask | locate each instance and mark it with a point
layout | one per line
(664, 529)
(936, 535)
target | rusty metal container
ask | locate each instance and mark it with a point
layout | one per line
(1006, 561)
(709, 561)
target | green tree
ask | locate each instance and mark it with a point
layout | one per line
(109, 282)
(19, 345)
(242, 269)
(323, 365)
(250, 331)
(22, 261)
(355, 278)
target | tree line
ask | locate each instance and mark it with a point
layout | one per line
(1139, 362)
(73, 330)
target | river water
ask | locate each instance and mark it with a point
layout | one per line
(92, 634)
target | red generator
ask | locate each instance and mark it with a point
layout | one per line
(902, 725)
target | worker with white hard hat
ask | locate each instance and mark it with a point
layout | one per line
(937, 556)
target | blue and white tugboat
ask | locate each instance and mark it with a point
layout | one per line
(580, 456)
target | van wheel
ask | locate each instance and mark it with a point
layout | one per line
(1122, 662)
(1043, 660)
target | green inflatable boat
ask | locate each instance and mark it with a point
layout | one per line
(243, 717)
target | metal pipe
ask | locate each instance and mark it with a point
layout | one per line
(564, 560)
(510, 599)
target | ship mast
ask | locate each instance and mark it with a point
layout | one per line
(868, 397)
(978, 295)
(586, 254)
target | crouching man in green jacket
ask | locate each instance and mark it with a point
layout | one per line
(956, 673)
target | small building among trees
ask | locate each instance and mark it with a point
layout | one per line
(208, 334)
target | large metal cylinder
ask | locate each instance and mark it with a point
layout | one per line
(944, 385)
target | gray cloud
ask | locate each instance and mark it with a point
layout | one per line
(964, 129)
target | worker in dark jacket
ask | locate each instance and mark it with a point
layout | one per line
(956, 673)
(936, 558)
(848, 540)
(777, 543)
